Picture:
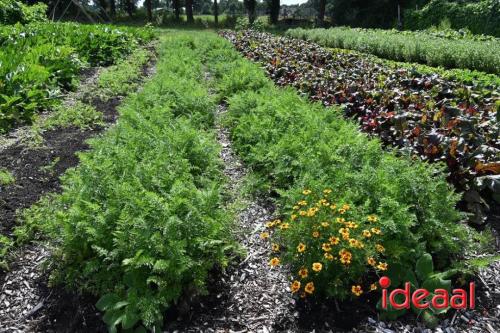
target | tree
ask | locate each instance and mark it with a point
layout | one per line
(177, 9)
(129, 6)
(189, 11)
(250, 7)
(216, 13)
(274, 10)
(321, 12)
(149, 10)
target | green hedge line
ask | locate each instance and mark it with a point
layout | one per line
(421, 47)
(291, 144)
(480, 17)
(140, 221)
(12, 11)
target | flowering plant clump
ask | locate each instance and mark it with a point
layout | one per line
(331, 248)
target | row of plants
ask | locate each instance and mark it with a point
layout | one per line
(141, 220)
(418, 46)
(349, 211)
(39, 61)
(430, 117)
(480, 17)
(13, 11)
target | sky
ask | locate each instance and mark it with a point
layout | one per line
(283, 2)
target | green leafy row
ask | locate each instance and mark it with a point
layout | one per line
(13, 11)
(39, 60)
(292, 144)
(420, 46)
(140, 221)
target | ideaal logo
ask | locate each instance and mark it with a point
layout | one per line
(419, 298)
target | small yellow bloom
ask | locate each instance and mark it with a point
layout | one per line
(340, 220)
(296, 207)
(334, 240)
(302, 203)
(274, 262)
(344, 230)
(303, 295)
(373, 287)
(352, 225)
(328, 256)
(333, 206)
(325, 224)
(371, 261)
(326, 247)
(317, 266)
(270, 224)
(301, 247)
(367, 233)
(303, 273)
(306, 192)
(379, 248)
(315, 234)
(372, 218)
(382, 266)
(302, 213)
(293, 217)
(295, 286)
(356, 290)
(327, 191)
(284, 226)
(353, 242)
(309, 288)
(275, 247)
(264, 235)
(277, 221)
(346, 207)
(341, 211)
(376, 231)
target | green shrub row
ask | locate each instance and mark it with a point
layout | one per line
(39, 60)
(291, 144)
(13, 11)
(140, 221)
(420, 46)
(480, 17)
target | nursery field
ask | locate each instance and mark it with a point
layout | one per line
(185, 181)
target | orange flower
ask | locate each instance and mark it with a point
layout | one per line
(315, 234)
(284, 226)
(346, 207)
(295, 286)
(382, 266)
(326, 247)
(376, 231)
(264, 235)
(344, 230)
(379, 248)
(356, 290)
(274, 262)
(371, 261)
(303, 273)
(352, 225)
(334, 240)
(275, 247)
(301, 247)
(367, 233)
(309, 288)
(328, 256)
(353, 242)
(317, 266)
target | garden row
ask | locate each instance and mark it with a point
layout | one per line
(426, 115)
(424, 47)
(39, 61)
(141, 220)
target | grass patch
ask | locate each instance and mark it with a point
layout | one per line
(6, 177)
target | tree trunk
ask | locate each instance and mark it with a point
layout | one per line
(250, 6)
(216, 13)
(274, 11)
(189, 11)
(321, 12)
(129, 7)
(149, 9)
(112, 7)
(177, 9)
